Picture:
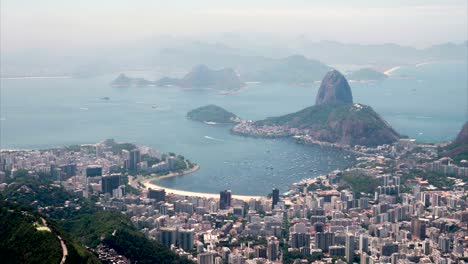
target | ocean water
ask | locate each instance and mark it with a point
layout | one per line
(39, 113)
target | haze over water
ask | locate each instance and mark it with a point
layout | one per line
(430, 106)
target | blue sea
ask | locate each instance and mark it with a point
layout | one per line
(430, 104)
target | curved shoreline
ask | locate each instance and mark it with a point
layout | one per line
(147, 182)
(175, 174)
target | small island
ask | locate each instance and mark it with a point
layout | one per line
(367, 75)
(212, 114)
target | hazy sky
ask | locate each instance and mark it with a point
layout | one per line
(27, 24)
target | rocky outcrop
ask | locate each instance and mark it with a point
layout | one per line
(334, 89)
(458, 149)
(343, 124)
(462, 137)
(334, 119)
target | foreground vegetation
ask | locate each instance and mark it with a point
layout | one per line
(77, 220)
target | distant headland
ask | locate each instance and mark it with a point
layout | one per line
(200, 77)
(334, 119)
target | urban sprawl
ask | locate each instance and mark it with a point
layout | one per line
(399, 203)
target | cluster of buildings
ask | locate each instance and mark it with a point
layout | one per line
(95, 168)
(446, 167)
(318, 220)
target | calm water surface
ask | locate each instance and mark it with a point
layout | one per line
(430, 106)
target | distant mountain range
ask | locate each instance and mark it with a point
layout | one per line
(252, 59)
(380, 54)
(293, 69)
(199, 77)
(169, 54)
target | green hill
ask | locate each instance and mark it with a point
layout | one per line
(25, 239)
(458, 149)
(349, 124)
(83, 223)
(333, 119)
(212, 113)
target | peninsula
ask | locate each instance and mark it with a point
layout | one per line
(333, 119)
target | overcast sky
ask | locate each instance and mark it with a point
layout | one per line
(27, 24)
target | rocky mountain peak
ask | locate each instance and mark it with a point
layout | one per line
(462, 137)
(334, 89)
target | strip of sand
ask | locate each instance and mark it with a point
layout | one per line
(175, 174)
(389, 71)
(148, 183)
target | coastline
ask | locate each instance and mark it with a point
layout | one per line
(36, 77)
(389, 71)
(148, 183)
(175, 174)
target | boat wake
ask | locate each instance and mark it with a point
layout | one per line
(215, 139)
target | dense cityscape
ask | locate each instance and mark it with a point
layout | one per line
(234, 132)
(387, 208)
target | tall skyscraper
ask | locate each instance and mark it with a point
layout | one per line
(134, 159)
(272, 249)
(418, 229)
(93, 171)
(349, 250)
(426, 247)
(185, 239)
(274, 198)
(158, 194)
(110, 182)
(167, 236)
(444, 244)
(260, 251)
(298, 240)
(324, 240)
(225, 199)
(205, 258)
(363, 243)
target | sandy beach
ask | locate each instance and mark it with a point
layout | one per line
(147, 182)
(389, 71)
